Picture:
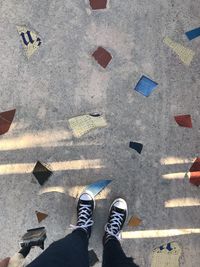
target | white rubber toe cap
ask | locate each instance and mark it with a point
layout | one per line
(120, 204)
(85, 196)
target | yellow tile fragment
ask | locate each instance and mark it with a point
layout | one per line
(83, 124)
(163, 257)
(185, 54)
(30, 40)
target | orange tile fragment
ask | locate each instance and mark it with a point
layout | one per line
(134, 221)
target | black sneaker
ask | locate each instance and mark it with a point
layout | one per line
(117, 217)
(85, 208)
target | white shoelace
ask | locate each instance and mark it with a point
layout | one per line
(83, 220)
(113, 227)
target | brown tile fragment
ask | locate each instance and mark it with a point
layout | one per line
(102, 56)
(41, 216)
(134, 221)
(184, 121)
(98, 4)
(6, 119)
(195, 172)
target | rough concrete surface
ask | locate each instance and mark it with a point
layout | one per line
(62, 80)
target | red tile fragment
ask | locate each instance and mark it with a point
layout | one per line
(98, 4)
(195, 172)
(41, 216)
(102, 56)
(184, 121)
(6, 119)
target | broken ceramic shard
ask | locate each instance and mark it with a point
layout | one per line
(41, 216)
(136, 146)
(93, 259)
(134, 221)
(193, 34)
(195, 172)
(166, 255)
(97, 187)
(145, 86)
(81, 125)
(98, 4)
(41, 173)
(184, 120)
(102, 56)
(185, 54)
(6, 119)
(30, 40)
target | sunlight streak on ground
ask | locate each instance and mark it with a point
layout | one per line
(50, 138)
(175, 160)
(174, 175)
(159, 233)
(55, 166)
(182, 202)
(73, 191)
(50, 189)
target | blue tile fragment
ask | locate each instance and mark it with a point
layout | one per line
(193, 34)
(168, 247)
(97, 187)
(145, 86)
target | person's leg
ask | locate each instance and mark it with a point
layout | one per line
(113, 254)
(72, 250)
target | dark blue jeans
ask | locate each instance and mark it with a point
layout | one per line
(72, 251)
